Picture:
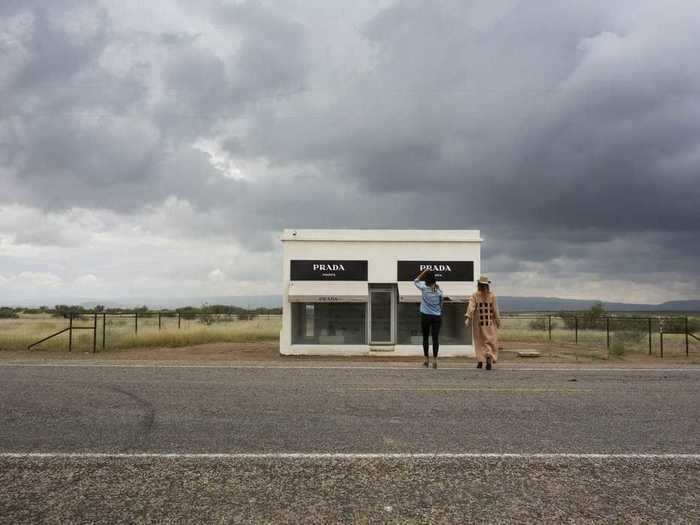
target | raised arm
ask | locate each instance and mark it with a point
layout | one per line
(417, 280)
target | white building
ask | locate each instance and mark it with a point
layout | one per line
(351, 292)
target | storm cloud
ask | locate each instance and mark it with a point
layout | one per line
(178, 138)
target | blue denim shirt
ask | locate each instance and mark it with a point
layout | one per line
(431, 301)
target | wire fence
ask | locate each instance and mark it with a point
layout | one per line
(93, 331)
(657, 335)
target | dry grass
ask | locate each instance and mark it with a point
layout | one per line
(18, 334)
(518, 330)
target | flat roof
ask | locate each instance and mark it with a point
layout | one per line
(382, 235)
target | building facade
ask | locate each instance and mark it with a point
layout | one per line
(351, 292)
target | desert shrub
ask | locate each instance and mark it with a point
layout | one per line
(537, 324)
(677, 324)
(588, 320)
(617, 348)
(591, 318)
(267, 311)
(569, 319)
(222, 309)
(188, 312)
(694, 324)
(8, 313)
(64, 310)
(35, 311)
(629, 330)
(632, 325)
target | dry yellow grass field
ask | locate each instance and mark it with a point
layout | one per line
(18, 334)
(624, 336)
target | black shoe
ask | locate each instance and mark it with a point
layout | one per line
(426, 363)
(488, 363)
(480, 365)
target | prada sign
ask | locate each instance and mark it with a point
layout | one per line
(443, 270)
(328, 299)
(328, 270)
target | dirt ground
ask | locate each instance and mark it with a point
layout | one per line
(268, 353)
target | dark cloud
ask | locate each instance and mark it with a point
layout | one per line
(566, 131)
(116, 140)
(559, 116)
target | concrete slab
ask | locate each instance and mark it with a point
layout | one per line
(528, 353)
(522, 352)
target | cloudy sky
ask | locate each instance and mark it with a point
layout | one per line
(158, 148)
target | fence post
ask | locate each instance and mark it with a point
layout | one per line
(158, 320)
(550, 327)
(136, 323)
(686, 336)
(94, 333)
(104, 329)
(650, 336)
(576, 328)
(661, 337)
(178, 320)
(70, 332)
(607, 331)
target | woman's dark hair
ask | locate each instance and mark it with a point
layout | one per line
(430, 278)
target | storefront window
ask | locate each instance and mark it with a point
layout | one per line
(452, 332)
(329, 323)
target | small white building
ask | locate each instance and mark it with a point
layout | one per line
(351, 292)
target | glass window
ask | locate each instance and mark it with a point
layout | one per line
(329, 323)
(452, 331)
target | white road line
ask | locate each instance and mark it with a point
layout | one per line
(415, 368)
(332, 455)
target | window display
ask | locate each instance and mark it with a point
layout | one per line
(329, 323)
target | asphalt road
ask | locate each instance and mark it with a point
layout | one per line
(640, 430)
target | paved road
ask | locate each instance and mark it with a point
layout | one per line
(651, 417)
(109, 409)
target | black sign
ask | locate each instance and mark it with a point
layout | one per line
(328, 270)
(443, 270)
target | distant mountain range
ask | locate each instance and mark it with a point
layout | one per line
(506, 303)
(553, 304)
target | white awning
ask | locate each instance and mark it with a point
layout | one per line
(328, 292)
(454, 291)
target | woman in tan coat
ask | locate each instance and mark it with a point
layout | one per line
(482, 314)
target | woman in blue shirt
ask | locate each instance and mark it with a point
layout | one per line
(430, 312)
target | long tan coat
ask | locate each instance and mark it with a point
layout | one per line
(485, 319)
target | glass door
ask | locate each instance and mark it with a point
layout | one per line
(382, 315)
